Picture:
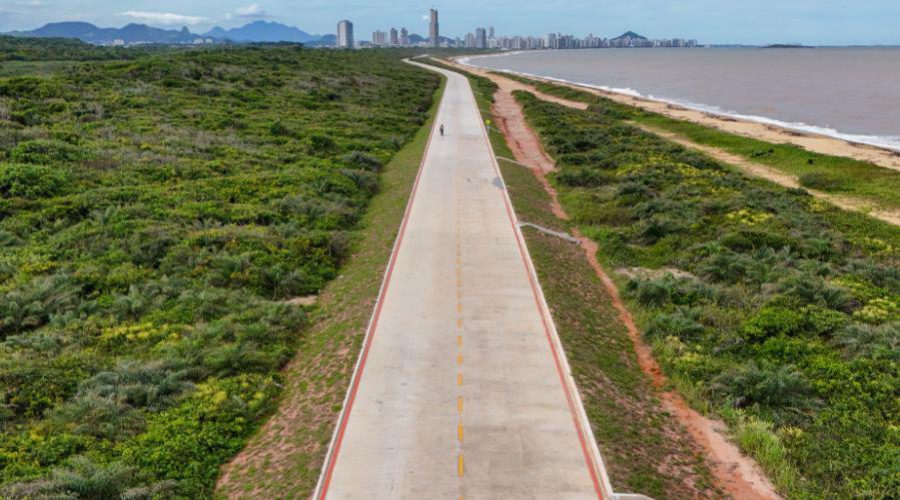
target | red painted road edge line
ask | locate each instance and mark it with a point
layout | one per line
(592, 467)
(354, 387)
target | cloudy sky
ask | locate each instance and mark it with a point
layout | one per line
(710, 21)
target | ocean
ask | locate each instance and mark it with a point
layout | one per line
(850, 93)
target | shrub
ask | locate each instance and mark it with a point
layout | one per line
(669, 289)
(82, 478)
(584, 177)
(279, 129)
(803, 289)
(320, 145)
(33, 305)
(683, 324)
(780, 389)
(30, 181)
(771, 322)
(45, 151)
(362, 160)
(187, 443)
(657, 227)
(822, 181)
(860, 339)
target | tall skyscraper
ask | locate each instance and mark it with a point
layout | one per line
(395, 39)
(491, 32)
(379, 38)
(480, 38)
(404, 37)
(345, 34)
(434, 30)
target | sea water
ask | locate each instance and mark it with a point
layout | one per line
(849, 93)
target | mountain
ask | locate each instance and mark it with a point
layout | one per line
(630, 34)
(323, 41)
(132, 33)
(263, 31)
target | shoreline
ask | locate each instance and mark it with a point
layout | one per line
(761, 128)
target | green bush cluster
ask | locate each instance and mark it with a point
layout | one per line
(156, 217)
(784, 309)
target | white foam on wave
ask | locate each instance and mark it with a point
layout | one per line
(886, 142)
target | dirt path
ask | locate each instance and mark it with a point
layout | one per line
(736, 474)
(771, 174)
(507, 86)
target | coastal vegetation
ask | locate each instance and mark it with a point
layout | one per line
(830, 174)
(765, 306)
(163, 221)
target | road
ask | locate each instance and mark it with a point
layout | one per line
(462, 389)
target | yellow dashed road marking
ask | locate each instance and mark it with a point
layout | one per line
(460, 466)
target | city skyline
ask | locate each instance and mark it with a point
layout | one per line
(822, 22)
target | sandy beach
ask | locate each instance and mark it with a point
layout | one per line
(765, 132)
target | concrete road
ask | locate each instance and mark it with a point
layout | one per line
(462, 389)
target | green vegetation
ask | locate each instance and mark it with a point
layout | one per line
(764, 305)
(63, 49)
(284, 461)
(831, 174)
(157, 219)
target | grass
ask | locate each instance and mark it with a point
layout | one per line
(317, 379)
(644, 451)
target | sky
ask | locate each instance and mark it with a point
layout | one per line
(814, 22)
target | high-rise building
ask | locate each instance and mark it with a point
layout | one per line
(434, 30)
(480, 38)
(491, 32)
(379, 38)
(404, 37)
(345, 34)
(395, 39)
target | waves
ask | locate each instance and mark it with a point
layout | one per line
(890, 142)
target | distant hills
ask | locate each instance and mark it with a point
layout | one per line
(257, 31)
(263, 31)
(629, 35)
